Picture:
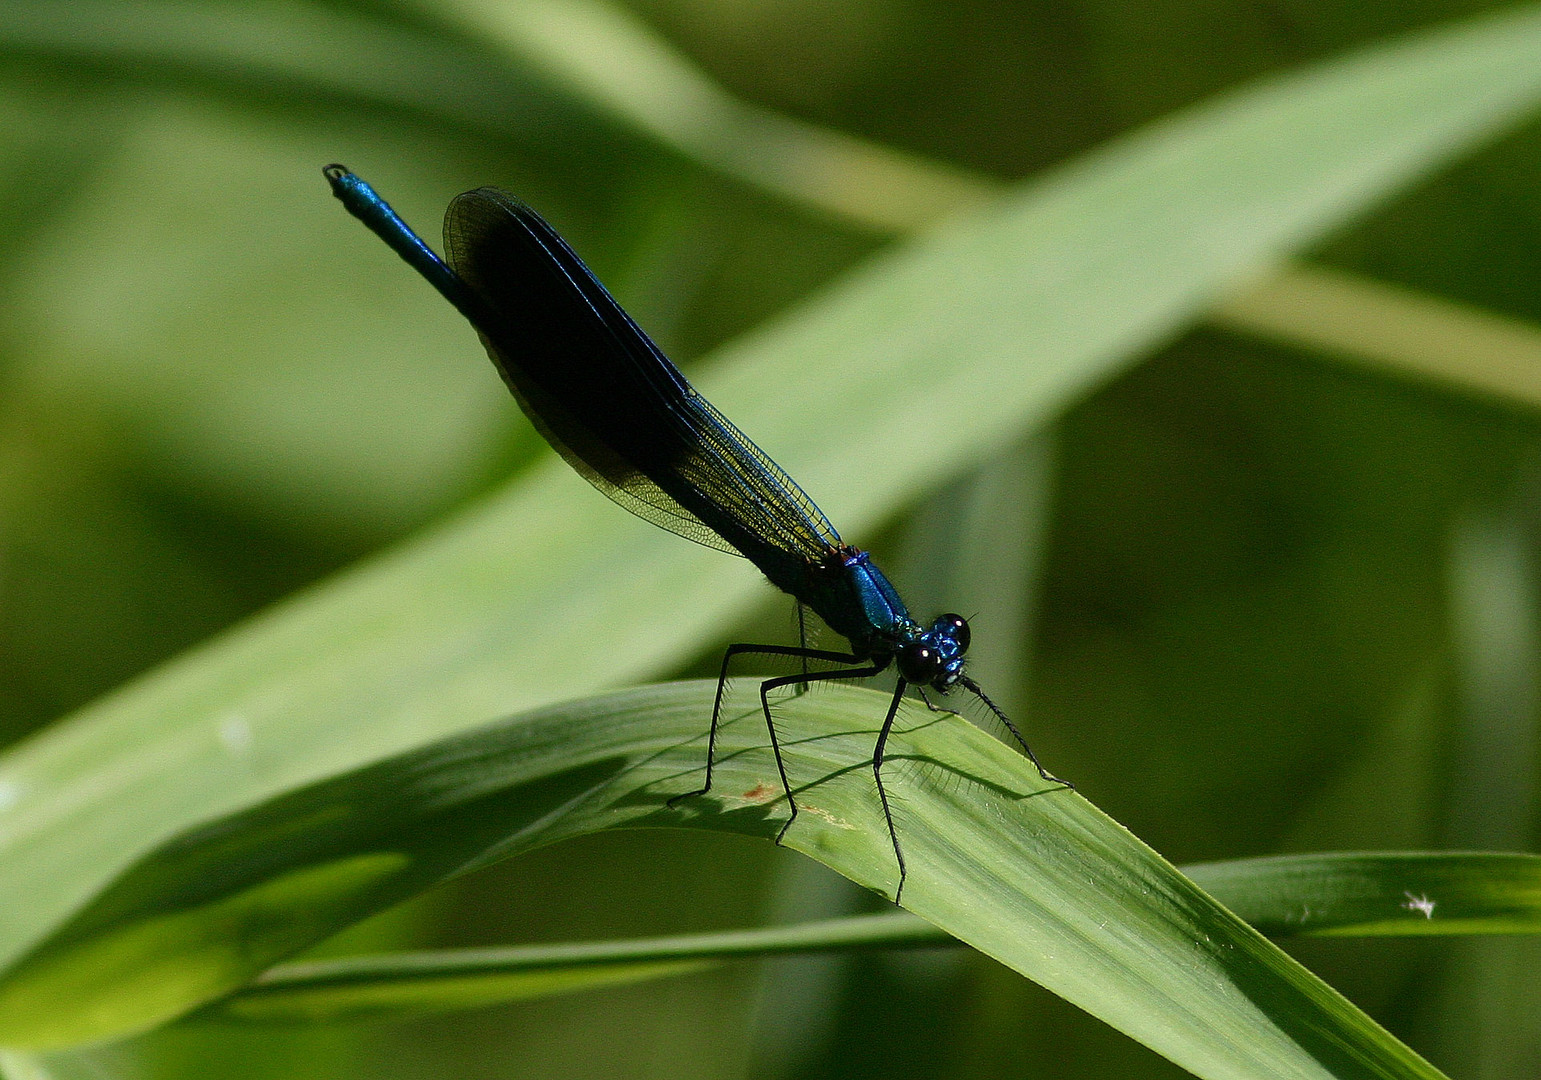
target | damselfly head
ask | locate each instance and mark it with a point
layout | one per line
(934, 657)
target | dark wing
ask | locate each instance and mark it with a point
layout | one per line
(609, 401)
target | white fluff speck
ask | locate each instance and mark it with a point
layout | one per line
(235, 733)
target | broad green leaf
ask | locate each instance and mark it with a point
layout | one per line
(1024, 870)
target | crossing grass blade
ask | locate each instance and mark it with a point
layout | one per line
(412, 983)
(1381, 893)
(1370, 894)
(1356, 894)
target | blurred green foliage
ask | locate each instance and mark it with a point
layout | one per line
(1271, 588)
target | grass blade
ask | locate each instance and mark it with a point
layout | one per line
(1395, 330)
(394, 984)
(1381, 894)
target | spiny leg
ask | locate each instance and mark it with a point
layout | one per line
(742, 648)
(973, 687)
(768, 685)
(921, 690)
(877, 776)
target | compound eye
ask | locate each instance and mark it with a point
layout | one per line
(920, 663)
(953, 626)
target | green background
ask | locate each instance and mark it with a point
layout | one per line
(1252, 600)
